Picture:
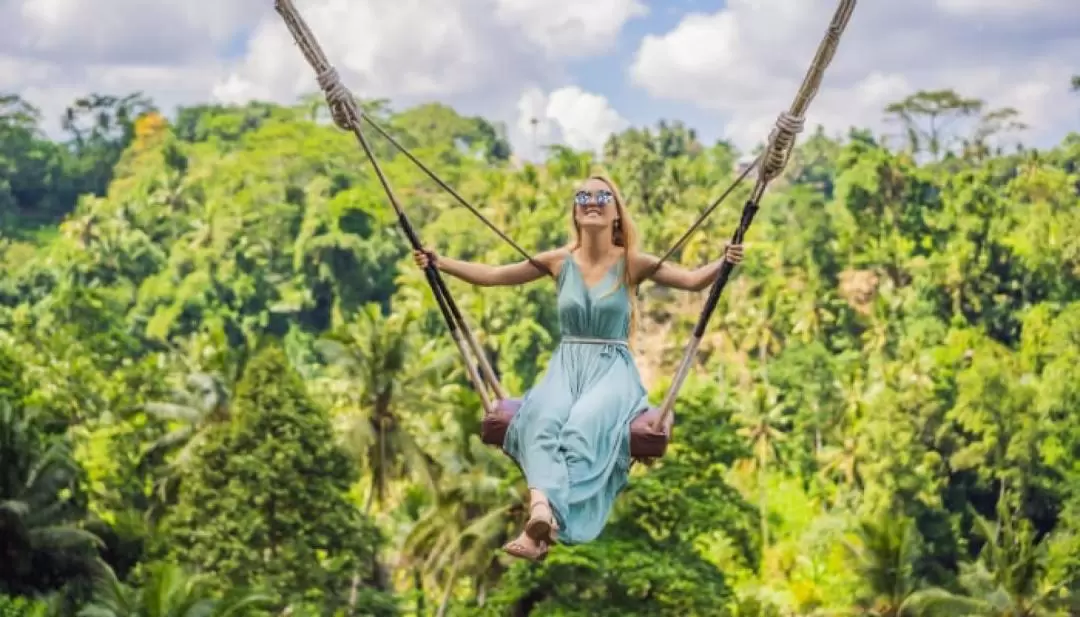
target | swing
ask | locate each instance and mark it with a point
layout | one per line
(650, 431)
(646, 442)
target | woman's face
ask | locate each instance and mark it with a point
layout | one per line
(594, 205)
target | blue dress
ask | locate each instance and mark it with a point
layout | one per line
(571, 435)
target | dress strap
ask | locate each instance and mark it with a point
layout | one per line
(568, 261)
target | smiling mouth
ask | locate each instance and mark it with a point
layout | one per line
(592, 213)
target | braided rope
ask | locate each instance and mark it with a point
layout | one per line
(791, 122)
(781, 144)
(342, 104)
(781, 141)
(339, 99)
(348, 116)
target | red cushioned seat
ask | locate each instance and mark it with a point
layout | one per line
(644, 442)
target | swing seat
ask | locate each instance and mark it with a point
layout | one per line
(645, 443)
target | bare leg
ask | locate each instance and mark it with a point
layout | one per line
(541, 525)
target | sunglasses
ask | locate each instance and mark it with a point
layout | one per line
(603, 198)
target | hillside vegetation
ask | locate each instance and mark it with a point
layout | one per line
(225, 387)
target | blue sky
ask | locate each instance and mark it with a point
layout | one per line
(585, 69)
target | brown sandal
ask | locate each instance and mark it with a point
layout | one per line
(542, 530)
(517, 549)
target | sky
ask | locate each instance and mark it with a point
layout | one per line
(582, 68)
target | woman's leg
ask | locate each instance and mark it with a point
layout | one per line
(533, 441)
(595, 442)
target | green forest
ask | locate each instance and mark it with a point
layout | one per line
(226, 390)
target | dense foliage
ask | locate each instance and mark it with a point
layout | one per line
(225, 390)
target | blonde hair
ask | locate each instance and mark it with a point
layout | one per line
(625, 235)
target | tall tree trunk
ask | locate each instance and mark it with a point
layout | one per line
(354, 590)
(763, 505)
(449, 590)
(418, 585)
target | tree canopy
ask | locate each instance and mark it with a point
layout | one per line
(224, 387)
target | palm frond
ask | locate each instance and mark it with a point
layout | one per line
(59, 537)
(174, 412)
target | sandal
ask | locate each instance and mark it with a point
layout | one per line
(543, 530)
(517, 549)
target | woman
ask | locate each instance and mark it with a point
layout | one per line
(571, 435)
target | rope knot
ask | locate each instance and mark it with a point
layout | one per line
(781, 141)
(338, 98)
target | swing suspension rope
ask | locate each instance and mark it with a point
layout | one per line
(770, 164)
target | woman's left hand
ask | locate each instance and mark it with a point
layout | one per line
(733, 253)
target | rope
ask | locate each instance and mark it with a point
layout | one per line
(789, 124)
(346, 114)
(781, 141)
(701, 217)
(337, 96)
(461, 200)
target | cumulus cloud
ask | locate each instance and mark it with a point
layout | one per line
(746, 60)
(570, 28)
(569, 115)
(397, 49)
(479, 54)
(122, 31)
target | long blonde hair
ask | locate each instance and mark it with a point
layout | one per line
(624, 234)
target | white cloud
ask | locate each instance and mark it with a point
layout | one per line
(395, 49)
(121, 31)
(476, 54)
(747, 60)
(570, 27)
(568, 115)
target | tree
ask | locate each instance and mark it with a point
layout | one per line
(884, 555)
(929, 119)
(917, 321)
(167, 591)
(266, 503)
(1009, 577)
(378, 370)
(101, 126)
(34, 188)
(44, 547)
(202, 402)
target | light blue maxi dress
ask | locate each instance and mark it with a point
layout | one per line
(571, 435)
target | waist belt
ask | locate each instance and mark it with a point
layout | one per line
(587, 340)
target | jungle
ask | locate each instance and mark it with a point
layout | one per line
(226, 390)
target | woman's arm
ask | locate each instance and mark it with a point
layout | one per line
(678, 277)
(485, 275)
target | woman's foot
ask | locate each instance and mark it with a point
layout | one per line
(541, 526)
(526, 548)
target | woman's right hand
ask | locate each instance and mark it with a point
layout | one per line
(424, 258)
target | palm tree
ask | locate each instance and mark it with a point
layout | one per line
(762, 416)
(474, 511)
(202, 402)
(169, 591)
(842, 461)
(1009, 578)
(884, 558)
(41, 545)
(377, 376)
